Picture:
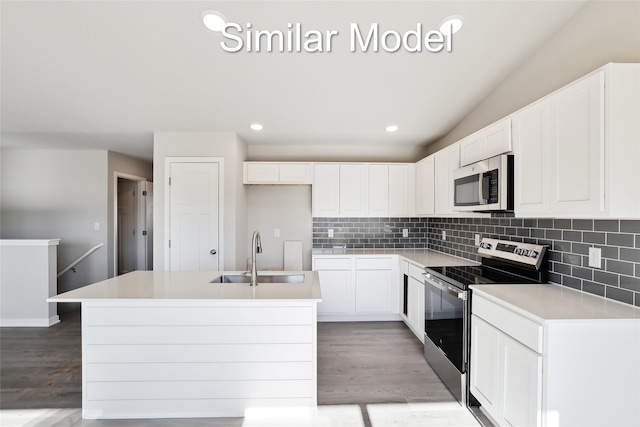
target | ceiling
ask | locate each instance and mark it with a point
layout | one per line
(107, 74)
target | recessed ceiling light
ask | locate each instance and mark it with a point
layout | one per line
(391, 128)
(450, 25)
(213, 20)
(256, 126)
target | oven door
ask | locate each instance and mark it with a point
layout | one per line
(445, 344)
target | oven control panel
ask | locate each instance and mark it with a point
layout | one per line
(525, 253)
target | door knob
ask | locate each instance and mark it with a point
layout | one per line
(213, 252)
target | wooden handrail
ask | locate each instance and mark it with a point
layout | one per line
(80, 258)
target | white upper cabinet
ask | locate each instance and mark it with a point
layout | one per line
(354, 190)
(531, 158)
(446, 161)
(401, 190)
(577, 146)
(276, 173)
(425, 186)
(326, 190)
(577, 151)
(491, 141)
(379, 190)
(363, 190)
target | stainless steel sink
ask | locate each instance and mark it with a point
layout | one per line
(262, 278)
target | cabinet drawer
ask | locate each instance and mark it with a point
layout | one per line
(332, 264)
(416, 272)
(519, 328)
(374, 264)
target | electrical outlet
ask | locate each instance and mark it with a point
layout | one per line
(330, 233)
(444, 235)
(276, 232)
(405, 232)
(595, 257)
(477, 240)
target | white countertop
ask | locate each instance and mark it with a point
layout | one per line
(550, 302)
(422, 257)
(191, 285)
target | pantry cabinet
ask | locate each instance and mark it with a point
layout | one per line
(358, 288)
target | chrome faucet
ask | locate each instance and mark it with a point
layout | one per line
(256, 247)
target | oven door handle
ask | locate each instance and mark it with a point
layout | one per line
(451, 291)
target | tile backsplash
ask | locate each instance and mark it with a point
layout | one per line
(568, 239)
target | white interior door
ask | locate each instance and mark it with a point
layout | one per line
(194, 216)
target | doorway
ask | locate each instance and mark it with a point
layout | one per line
(194, 206)
(133, 228)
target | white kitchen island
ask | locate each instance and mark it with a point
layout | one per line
(174, 345)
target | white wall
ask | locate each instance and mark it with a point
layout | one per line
(287, 208)
(62, 194)
(601, 32)
(48, 194)
(203, 144)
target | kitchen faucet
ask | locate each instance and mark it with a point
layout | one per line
(256, 247)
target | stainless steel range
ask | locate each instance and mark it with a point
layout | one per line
(448, 303)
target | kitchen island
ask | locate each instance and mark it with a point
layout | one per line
(175, 345)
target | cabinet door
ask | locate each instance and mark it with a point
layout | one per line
(531, 157)
(497, 138)
(354, 190)
(373, 291)
(295, 173)
(379, 190)
(336, 291)
(425, 186)
(577, 146)
(415, 308)
(471, 149)
(485, 364)
(522, 384)
(447, 160)
(401, 190)
(326, 190)
(261, 173)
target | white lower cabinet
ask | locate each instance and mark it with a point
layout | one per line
(413, 301)
(505, 376)
(576, 367)
(358, 287)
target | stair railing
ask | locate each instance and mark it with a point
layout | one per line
(72, 266)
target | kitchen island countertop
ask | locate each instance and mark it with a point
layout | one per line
(191, 285)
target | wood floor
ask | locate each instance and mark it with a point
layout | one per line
(359, 364)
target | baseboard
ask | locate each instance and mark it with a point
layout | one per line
(29, 323)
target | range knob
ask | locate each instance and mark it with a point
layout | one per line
(533, 254)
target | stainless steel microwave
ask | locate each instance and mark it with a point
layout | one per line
(484, 186)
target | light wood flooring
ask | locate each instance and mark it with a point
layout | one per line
(369, 374)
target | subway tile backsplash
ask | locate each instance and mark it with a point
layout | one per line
(569, 241)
